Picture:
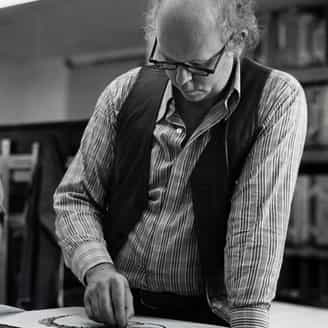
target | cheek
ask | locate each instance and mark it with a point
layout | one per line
(203, 81)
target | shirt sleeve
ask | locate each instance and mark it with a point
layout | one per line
(80, 199)
(261, 203)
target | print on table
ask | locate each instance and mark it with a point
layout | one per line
(74, 321)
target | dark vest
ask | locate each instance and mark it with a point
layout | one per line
(213, 178)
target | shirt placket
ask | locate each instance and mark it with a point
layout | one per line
(169, 133)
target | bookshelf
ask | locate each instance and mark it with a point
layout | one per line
(269, 5)
(310, 75)
(315, 157)
(295, 40)
(307, 252)
(314, 161)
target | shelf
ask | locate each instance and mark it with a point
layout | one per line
(315, 157)
(263, 5)
(308, 296)
(307, 252)
(309, 75)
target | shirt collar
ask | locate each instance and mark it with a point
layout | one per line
(167, 97)
(231, 100)
(233, 96)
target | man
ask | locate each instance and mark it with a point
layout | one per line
(177, 202)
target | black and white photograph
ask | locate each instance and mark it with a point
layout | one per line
(163, 163)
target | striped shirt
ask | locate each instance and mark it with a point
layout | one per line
(161, 253)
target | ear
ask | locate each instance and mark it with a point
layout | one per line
(241, 36)
(238, 42)
(244, 34)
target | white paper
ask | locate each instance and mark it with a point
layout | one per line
(6, 309)
(283, 315)
(286, 315)
(75, 317)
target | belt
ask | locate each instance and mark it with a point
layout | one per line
(158, 300)
(172, 306)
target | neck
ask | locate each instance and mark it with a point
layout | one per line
(191, 113)
(203, 105)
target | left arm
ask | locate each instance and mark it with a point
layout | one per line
(261, 203)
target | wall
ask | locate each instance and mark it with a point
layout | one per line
(87, 82)
(33, 91)
(49, 91)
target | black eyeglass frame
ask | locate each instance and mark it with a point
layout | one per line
(202, 71)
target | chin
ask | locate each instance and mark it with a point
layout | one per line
(195, 97)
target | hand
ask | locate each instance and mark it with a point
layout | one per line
(108, 297)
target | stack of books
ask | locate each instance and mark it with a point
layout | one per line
(308, 225)
(317, 99)
(293, 38)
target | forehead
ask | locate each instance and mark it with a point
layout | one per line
(182, 46)
(188, 32)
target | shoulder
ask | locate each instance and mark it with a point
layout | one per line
(114, 95)
(280, 81)
(282, 94)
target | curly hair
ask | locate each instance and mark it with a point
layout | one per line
(232, 17)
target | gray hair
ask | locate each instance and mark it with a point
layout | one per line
(232, 16)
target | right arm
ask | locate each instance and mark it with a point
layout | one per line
(80, 199)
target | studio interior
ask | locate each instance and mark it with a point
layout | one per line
(56, 57)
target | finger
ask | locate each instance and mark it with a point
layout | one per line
(118, 301)
(129, 307)
(106, 307)
(90, 306)
(87, 305)
(95, 306)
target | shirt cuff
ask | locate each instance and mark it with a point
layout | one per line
(87, 256)
(250, 317)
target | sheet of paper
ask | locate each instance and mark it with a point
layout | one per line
(6, 309)
(286, 315)
(75, 317)
(283, 315)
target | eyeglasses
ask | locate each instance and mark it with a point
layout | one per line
(195, 69)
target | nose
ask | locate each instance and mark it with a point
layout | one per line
(182, 75)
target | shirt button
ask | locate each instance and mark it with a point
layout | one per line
(178, 130)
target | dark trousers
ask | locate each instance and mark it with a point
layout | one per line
(176, 307)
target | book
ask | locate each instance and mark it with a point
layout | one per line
(317, 99)
(321, 210)
(303, 50)
(313, 95)
(299, 230)
(319, 41)
(292, 35)
(300, 38)
(323, 120)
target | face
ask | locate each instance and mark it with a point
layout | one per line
(195, 44)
